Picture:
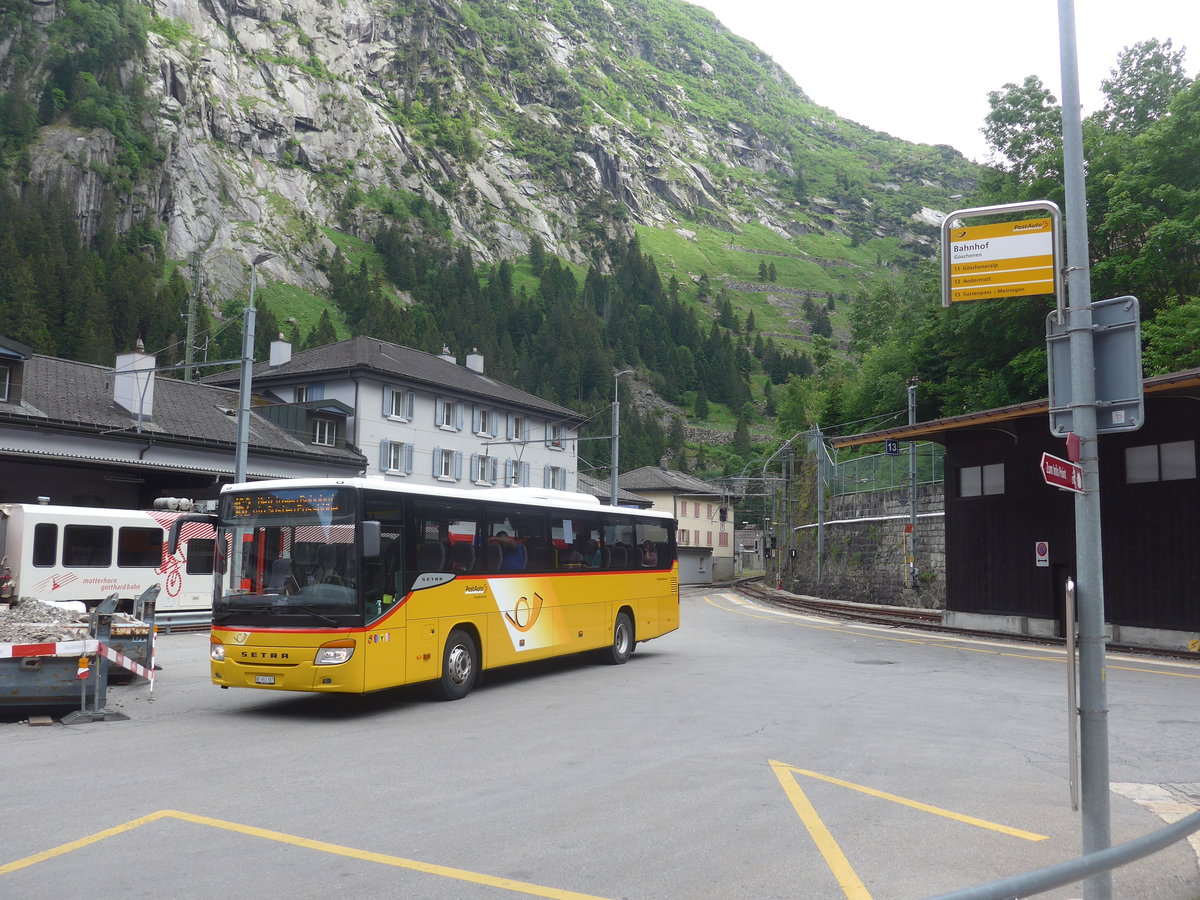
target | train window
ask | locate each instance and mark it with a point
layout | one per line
(45, 544)
(87, 546)
(200, 556)
(140, 547)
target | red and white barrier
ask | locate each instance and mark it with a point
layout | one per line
(79, 648)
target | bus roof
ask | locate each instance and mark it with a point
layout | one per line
(536, 497)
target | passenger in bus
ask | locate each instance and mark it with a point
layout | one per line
(649, 554)
(591, 554)
(512, 553)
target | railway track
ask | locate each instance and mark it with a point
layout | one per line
(919, 619)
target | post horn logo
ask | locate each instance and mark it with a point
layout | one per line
(524, 615)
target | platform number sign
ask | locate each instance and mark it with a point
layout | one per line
(891, 447)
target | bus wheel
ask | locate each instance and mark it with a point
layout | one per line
(622, 645)
(460, 666)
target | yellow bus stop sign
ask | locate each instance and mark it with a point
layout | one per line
(1001, 259)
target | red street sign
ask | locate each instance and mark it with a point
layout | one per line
(1062, 474)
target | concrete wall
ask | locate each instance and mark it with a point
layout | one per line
(865, 558)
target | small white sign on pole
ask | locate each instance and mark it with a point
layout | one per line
(1041, 554)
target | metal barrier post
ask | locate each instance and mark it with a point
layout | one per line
(1072, 696)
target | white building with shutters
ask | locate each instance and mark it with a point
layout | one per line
(417, 416)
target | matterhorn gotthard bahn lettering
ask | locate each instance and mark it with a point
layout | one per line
(1007, 259)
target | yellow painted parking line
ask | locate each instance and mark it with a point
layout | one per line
(914, 804)
(843, 872)
(509, 884)
(82, 842)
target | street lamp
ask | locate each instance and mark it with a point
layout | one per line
(243, 420)
(616, 432)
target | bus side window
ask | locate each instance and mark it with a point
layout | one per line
(45, 544)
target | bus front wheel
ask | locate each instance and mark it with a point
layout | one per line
(622, 643)
(460, 666)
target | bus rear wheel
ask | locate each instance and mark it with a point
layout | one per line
(622, 643)
(460, 666)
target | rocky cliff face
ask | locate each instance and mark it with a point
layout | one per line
(278, 118)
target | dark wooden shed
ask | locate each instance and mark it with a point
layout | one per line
(998, 509)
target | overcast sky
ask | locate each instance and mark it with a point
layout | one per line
(922, 70)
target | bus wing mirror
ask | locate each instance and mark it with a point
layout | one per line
(371, 539)
(177, 525)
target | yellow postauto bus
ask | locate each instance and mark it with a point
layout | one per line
(356, 585)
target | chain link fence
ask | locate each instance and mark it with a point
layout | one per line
(884, 471)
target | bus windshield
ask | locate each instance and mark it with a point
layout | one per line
(291, 552)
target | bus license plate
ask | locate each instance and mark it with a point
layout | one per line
(264, 679)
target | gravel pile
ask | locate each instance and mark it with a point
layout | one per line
(31, 621)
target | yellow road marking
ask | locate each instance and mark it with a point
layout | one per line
(82, 842)
(847, 880)
(400, 862)
(949, 642)
(915, 804)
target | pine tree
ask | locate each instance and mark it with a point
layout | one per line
(322, 333)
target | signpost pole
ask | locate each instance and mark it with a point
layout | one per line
(1093, 700)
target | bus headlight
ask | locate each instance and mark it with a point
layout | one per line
(216, 650)
(334, 653)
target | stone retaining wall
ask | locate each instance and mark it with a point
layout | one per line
(865, 551)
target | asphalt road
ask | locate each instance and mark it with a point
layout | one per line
(753, 754)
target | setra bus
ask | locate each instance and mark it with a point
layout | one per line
(356, 585)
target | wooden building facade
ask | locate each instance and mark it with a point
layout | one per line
(999, 510)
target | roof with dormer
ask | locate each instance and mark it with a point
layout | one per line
(384, 360)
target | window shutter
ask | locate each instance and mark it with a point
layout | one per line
(508, 427)
(408, 405)
(546, 476)
(493, 469)
(387, 401)
(437, 461)
(458, 461)
(385, 448)
(476, 475)
(508, 472)
(408, 458)
(316, 392)
(526, 474)
(458, 415)
(476, 416)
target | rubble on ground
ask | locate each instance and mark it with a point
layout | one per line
(31, 621)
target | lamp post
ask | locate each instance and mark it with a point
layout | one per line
(243, 420)
(616, 432)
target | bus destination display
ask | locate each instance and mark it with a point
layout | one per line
(300, 504)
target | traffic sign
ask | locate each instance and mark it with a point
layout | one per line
(1062, 473)
(1117, 364)
(1001, 259)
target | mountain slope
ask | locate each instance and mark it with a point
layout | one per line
(480, 123)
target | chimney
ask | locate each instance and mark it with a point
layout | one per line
(281, 352)
(475, 360)
(133, 382)
(447, 355)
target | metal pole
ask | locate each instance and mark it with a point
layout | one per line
(1072, 697)
(243, 422)
(616, 434)
(1089, 578)
(820, 448)
(912, 485)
